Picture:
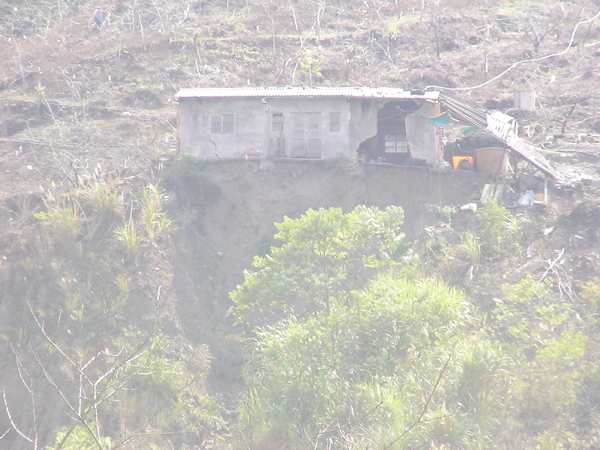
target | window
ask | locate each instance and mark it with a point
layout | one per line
(277, 123)
(221, 123)
(395, 143)
(334, 122)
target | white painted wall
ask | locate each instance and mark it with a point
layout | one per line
(421, 134)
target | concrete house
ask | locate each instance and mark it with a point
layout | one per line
(375, 123)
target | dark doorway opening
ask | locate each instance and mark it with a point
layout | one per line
(391, 142)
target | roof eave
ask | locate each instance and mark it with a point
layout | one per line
(362, 92)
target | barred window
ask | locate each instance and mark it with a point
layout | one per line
(277, 123)
(395, 143)
(221, 123)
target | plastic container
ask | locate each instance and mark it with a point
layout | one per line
(456, 160)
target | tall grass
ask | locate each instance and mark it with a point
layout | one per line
(153, 216)
(128, 237)
(63, 223)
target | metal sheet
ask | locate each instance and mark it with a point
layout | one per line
(502, 126)
(282, 92)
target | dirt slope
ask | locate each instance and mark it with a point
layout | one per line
(80, 104)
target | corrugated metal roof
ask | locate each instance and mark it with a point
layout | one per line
(273, 92)
(502, 129)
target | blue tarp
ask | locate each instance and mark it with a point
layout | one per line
(441, 120)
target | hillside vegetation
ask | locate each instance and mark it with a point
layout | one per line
(148, 300)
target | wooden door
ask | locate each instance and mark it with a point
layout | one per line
(306, 135)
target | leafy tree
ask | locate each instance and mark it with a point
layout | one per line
(348, 352)
(536, 330)
(359, 375)
(324, 255)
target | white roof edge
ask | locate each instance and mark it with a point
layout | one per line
(271, 92)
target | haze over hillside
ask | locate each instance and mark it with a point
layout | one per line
(118, 256)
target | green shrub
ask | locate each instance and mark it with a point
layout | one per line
(63, 223)
(104, 198)
(590, 293)
(128, 237)
(189, 182)
(498, 230)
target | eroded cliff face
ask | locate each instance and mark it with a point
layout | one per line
(255, 194)
(238, 223)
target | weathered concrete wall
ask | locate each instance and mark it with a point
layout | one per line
(195, 129)
(253, 128)
(421, 134)
(363, 121)
(254, 132)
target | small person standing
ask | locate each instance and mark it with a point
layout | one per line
(99, 17)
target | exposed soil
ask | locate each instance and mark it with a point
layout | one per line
(78, 104)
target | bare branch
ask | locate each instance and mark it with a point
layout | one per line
(331, 428)
(20, 369)
(420, 420)
(12, 423)
(80, 417)
(157, 411)
(518, 63)
(551, 265)
(49, 339)
(29, 386)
